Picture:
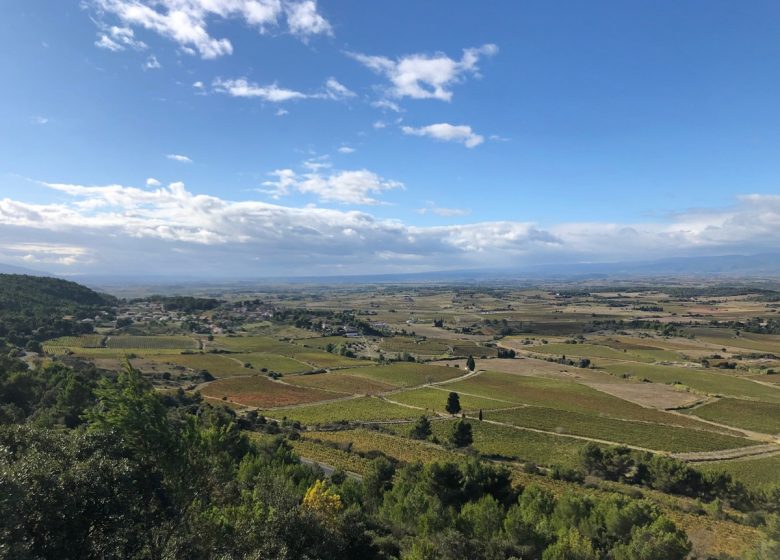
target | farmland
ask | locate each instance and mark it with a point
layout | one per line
(552, 373)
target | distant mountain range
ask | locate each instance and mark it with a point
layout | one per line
(764, 266)
(11, 269)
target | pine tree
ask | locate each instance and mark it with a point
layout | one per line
(480, 415)
(461, 435)
(471, 364)
(422, 429)
(453, 403)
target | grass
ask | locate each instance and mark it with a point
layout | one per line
(754, 473)
(264, 344)
(703, 380)
(338, 458)
(750, 415)
(406, 374)
(641, 434)
(413, 345)
(522, 445)
(434, 399)
(262, 392)
(361, 408)
(342, 382)
(598, 351)
(271, 362)
(403, 449)
(564, 395)
(83, 341)
(216, 365)
(151, 342)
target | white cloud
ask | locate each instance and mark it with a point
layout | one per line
(431, 208)
(186, 22)
(343, 187)
(379, 124)
(39, 120)
(45, 253)
(178, 157)
(387, 104)
(152, 63)
(119, 229)
(448, 133)
(116, 39)
(281, 112)
(304, 20)
(346, 150)
(198, 85)
(152, 182)
(422, 76)
(242, 88)
(335, 90)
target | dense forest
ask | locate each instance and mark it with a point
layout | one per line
(35, 308)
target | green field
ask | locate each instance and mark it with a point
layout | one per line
(361, 408)
(262, 392)
(343, 382)
(126, 342)
(271, 362)
(83, 341)
(755, 473)
(593, 351)
(434, 399)
(656, 437)
(564, 395)
(750, 415)
(407, 374)
(521, 445)
(699, 379)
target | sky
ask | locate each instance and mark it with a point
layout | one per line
(254, 138)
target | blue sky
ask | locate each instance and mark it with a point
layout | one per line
(267, 137)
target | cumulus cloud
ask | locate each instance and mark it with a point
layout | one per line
(115, 38)
(152, 182)
(346, 150)
(448, 133)
(344, 187)
(178, 157)
(116, 228)
(422, 76)
(186, 22)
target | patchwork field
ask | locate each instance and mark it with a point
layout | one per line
(751, 415)
(262, 392)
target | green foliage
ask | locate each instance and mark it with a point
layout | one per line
(34, 308)
(453, 403)
(461, 435)
(470, 364)
(422, 428)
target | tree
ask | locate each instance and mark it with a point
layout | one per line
(461, 435)
(661, 540)
(570, 545)
(422, 429)
(453, 403)
(471, 364)
(480, 415)
(323, 503)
